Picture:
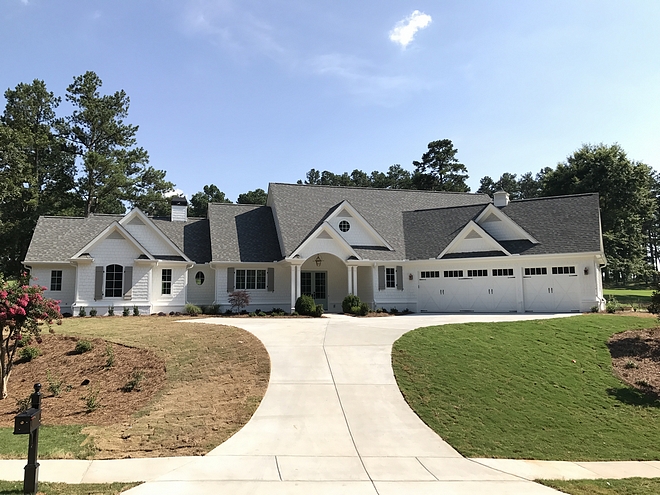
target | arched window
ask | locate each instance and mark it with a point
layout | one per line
(199, 278)
(113, 280)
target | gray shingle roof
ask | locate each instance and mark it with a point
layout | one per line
(59, 238)
(300, 208)
(243, 233)
(561, 224)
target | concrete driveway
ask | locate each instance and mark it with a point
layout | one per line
(334, 422)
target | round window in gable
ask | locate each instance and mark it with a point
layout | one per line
(199, 278)
(344, 226)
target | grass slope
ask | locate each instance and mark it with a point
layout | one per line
(637, 297)
(528, 390)
(628, 486)
(55, 442)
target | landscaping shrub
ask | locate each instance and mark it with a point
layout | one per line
(277, 312)
(83, 346)
(24, 404)
(238, 300)
(305, 305)
(612, 305)
(93, 312)
(193, 310)
(350, 302)
(125, 311)
(54, 383)
(134, 382)
(82, 312)
(211, 309)
(111, 311)
(109, 355)
(654, 307)
(92, 401)
(318, 311)
(28, 353)
(136, 311)
(362, 310)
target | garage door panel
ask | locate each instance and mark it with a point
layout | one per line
(478, 294)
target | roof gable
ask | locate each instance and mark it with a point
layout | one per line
(473, 239)
(143, 229)
(114, 231)
(360, 232)
(325, 239)
(501, 227)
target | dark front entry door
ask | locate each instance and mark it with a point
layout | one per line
(315, 284)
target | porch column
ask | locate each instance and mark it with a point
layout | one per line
(293, 287)
(298, 287)
(355, 284)
(350, 279)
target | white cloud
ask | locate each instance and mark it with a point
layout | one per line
(404, 31)
(175, 192)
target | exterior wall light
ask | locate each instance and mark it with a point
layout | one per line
(586, 270)
(318, 260)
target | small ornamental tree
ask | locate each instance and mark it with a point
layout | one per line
(239, 299)
(23, 310)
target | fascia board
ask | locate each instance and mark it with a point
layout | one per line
(325, 227)
(147, 221)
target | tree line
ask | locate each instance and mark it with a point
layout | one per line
(89, 162)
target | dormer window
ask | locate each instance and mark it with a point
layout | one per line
(344, 226)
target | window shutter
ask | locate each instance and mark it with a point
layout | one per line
(230, 280)
(399, 278)
(381, 278)
(271, 280)
(128, 282)
(98, 284)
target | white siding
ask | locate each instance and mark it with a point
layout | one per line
(321, 245)
(204, 294)
(392, 297)
(365, 288)
(150, 239)
(41, 276)
(259, 299)
(357, 235)
(176, 301)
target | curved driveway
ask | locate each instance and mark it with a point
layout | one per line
(334, 422)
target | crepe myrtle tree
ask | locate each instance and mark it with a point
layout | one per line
(23, 312)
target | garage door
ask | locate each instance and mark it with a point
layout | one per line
(551, 289)
(480, 292)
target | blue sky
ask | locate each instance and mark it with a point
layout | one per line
(243, 93)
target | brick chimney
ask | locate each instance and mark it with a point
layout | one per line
(179, 209)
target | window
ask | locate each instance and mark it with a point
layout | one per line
(563, 270)
(477, 273)
(56, 280)
(502, 272)
(390, 278)
(250, 279)
(453, 273)
(166, 281)
(536, 271)
(113, 280)
(431, 274)
(344, 226)
(199, 278)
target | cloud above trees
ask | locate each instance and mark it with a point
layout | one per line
(404, 31)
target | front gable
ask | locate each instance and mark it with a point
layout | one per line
(474, 239)
(113, 239)
(501, 227)
(354, 229)
(325, 239)
(144, 231)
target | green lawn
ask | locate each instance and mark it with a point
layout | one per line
(636, 297)
(512, 390)
(629, 486)
(16, 488)
(54, 442)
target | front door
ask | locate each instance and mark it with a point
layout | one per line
(315, 284)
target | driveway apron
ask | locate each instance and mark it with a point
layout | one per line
(333, 421)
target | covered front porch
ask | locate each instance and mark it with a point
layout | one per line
(329, 279)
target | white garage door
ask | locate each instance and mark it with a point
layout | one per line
(551, 289)
(452, 294)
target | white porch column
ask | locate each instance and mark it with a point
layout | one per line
(355, 280)
(298, 287)
(350, 279)
(293, 287)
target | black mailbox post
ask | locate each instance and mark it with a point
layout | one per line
(27, 423)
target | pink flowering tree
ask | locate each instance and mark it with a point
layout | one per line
(23, 312)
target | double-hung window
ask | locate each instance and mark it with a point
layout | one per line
(166, 281)
(56, 280)
(250, 279)
(114, 277)
(390, 278)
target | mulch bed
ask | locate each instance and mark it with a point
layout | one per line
(636, 359)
